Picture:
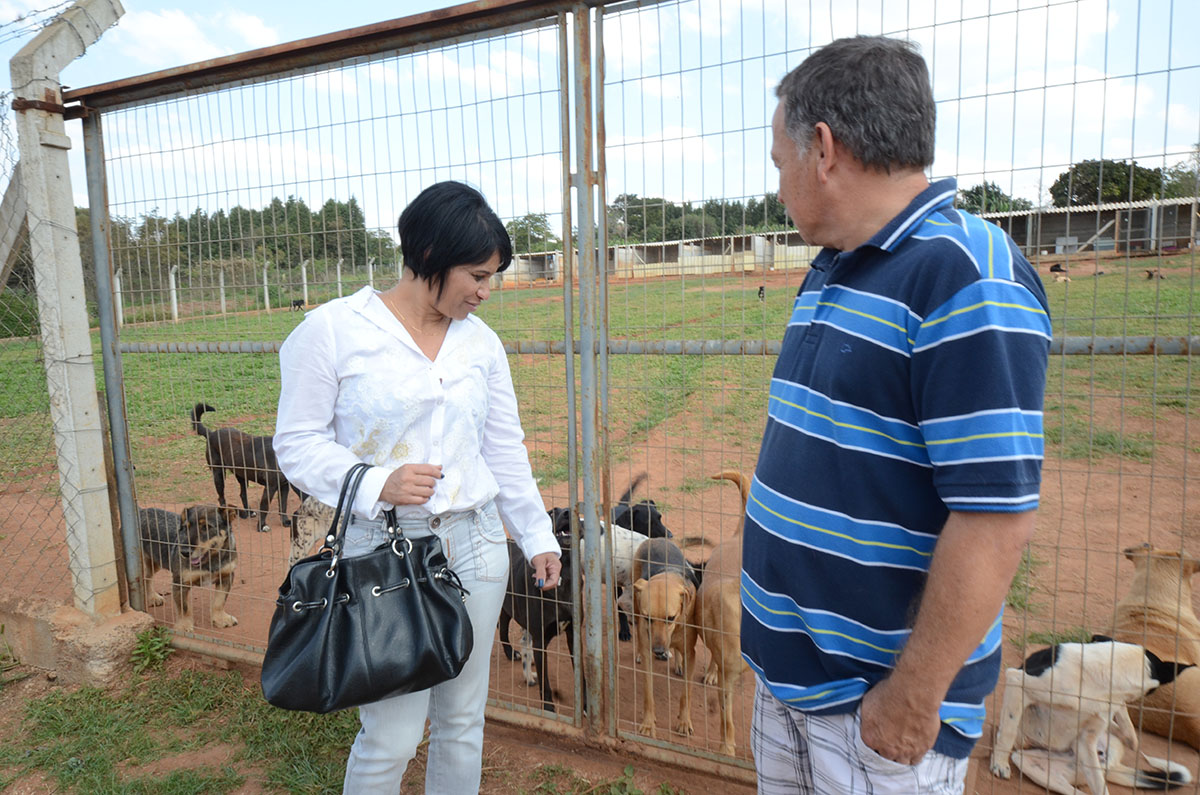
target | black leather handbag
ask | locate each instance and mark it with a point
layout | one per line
(349, 631)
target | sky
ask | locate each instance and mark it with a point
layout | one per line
(1024, 88)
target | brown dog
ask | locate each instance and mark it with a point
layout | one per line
(719, 615)
(664, 595)
(195, 548)
(1157, 613)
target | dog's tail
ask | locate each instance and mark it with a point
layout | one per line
(1175, 776)
(743, 483)
(629, 491)
(197, 411)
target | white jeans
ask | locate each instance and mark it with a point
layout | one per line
(795, 752)
(475, 547)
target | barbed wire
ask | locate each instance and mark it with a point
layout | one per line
(31, 21)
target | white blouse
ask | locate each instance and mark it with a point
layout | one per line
(355, 387)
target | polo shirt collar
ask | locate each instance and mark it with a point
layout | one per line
(939, 195)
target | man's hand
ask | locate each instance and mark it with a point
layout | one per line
(411, 484)
(897, 724)
(546, 570)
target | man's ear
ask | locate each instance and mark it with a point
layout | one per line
(827, 151)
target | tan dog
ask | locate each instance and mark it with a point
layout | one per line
(1064, 711)
(664, 595)
(1157, 613)
(313, 518)
(719, 615)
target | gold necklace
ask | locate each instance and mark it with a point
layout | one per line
(390, 303)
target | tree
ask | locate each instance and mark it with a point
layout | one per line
(1183, 179)
(987, 197)
(1101, 181)
(532, 232)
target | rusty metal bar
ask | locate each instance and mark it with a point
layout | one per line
(268, 63)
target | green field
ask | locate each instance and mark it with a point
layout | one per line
(726, 395)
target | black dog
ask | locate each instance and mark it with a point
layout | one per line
(297, 305)
(249, 458)
(1057, 268)
(641, 517)
(543, 614)
(762, 295)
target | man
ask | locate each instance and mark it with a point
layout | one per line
(900, 467)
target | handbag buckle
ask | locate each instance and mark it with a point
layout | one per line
(407, 546)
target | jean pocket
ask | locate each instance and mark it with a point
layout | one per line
(491, 546)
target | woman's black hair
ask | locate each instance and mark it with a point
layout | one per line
(450, 224)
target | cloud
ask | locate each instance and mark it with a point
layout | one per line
(162, 39)
(250, 29)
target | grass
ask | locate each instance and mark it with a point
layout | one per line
(1053, 638)
(1020, 592)
(98, 742)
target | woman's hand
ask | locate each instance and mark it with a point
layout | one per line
(411, 484)
(546, 570)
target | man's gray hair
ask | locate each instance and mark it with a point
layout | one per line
(874, 94)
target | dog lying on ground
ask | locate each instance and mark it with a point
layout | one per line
(664, 596)
(195, 548)
(1156, 612)
(1064, 710)
(249, 458)
(719, 615)
(543, 615)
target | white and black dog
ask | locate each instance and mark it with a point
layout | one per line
(1064, 711)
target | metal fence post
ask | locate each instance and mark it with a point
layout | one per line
(599, 708)
(62, 312)
(108, 309)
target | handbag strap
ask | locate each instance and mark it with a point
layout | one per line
(336, 538)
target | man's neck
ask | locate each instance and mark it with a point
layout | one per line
(872, 199)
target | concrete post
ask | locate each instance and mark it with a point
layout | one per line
(118, 301)
(173, 289)
(371, 271)
(221, 288)
(266, 290)
(339, 277)
(58, 277)
(304, 280)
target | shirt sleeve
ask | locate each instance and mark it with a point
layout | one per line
(979, 378)
(519, 501)
(305, 443)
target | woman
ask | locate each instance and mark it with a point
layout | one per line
(409, 381)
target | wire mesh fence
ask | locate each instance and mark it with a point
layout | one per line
(1071, 124)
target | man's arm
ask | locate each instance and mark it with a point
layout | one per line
(976, 556)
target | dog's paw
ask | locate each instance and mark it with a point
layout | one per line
(264, 528)
(684, 726)
(155, 600)
(625, 634)
(184, 624)
(646, 728)
(1001, 768)
(677, 668)
(243, 513)
(710, 674)
(223, 619)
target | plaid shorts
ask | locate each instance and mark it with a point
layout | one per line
(795, 752)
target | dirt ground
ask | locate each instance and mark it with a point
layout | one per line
(1090, 511)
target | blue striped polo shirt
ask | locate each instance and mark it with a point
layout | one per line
(909, 384)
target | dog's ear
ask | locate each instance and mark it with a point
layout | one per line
(1100, 639)
(639, 588)
(229, 513)
(1164, 671)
